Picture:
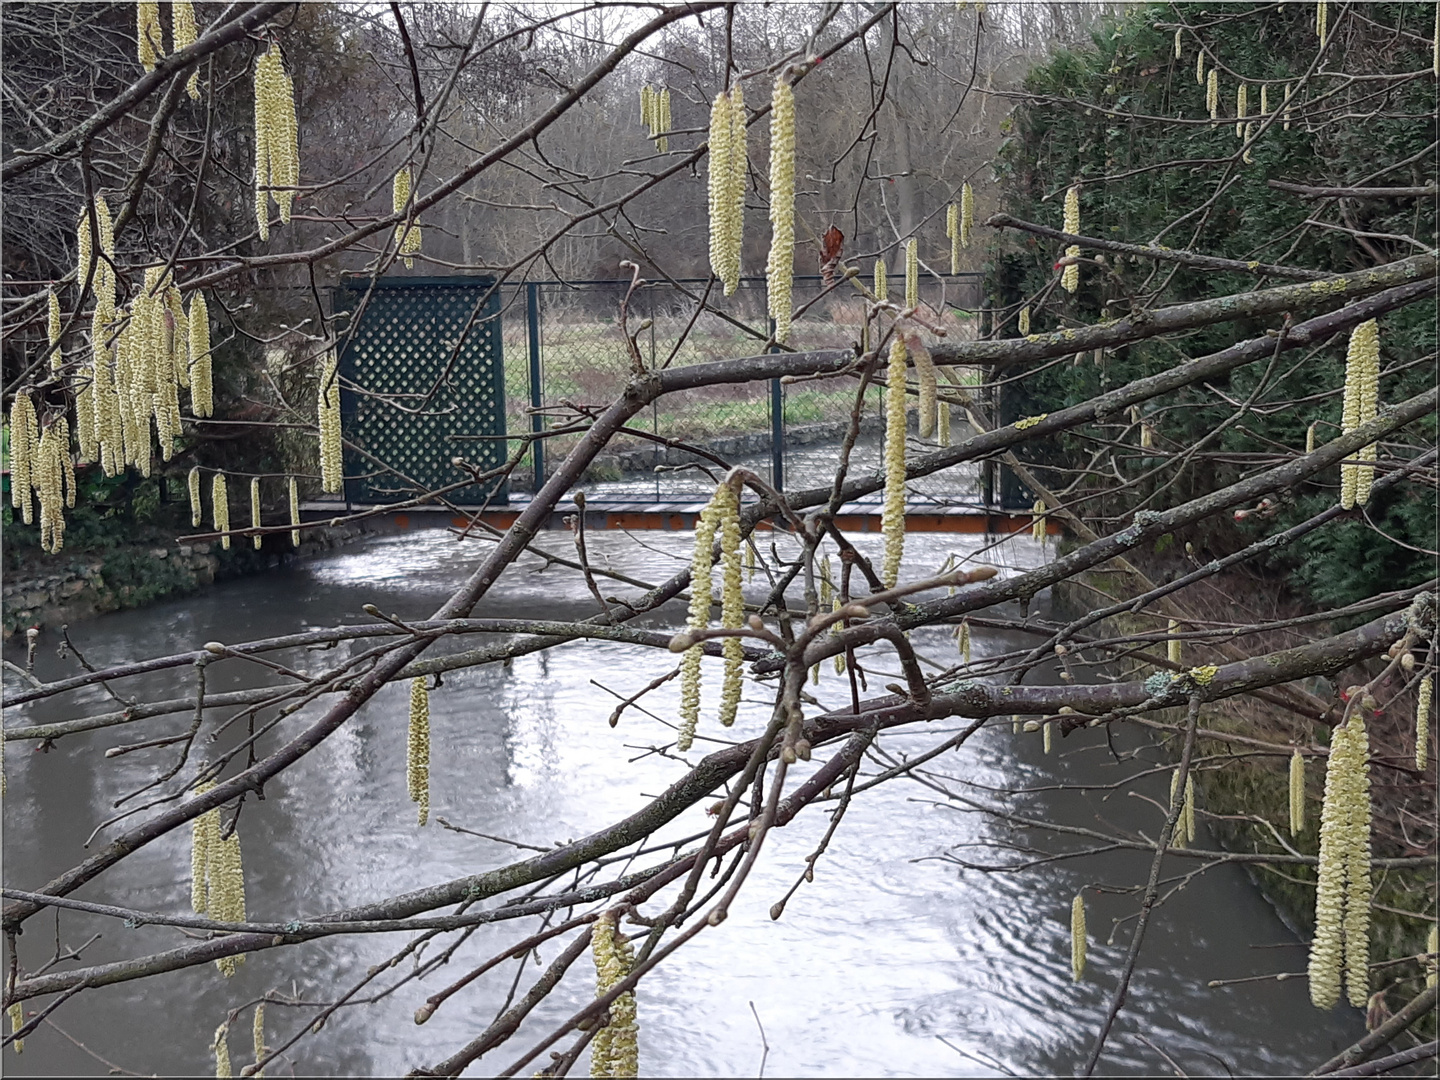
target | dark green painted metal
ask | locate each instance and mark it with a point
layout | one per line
(403, 344)
(777, 426)
(537, 418)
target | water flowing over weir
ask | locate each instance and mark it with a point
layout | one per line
(889, 963)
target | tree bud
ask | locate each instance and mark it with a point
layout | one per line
(215, 647)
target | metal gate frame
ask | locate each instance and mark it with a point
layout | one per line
(400, 348)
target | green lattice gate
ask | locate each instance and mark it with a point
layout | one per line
(403, 344)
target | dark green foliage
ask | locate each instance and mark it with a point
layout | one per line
(1107, 110)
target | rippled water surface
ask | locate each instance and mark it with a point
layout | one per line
(891, 963)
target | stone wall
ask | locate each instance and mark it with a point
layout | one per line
(65, 589)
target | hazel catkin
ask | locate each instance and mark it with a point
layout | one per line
(148, 37)
(892, 514)
(220, 509)
(1297, 793)
(183, 30)
(417, 748)
(1423, 697)
(780, 268)
(328, 406)
(1360, 404)
(732, 600)
(1070, 277)
(256, 540)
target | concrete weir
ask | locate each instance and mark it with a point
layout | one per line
(676, 514)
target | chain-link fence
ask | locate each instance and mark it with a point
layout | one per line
(566, 352)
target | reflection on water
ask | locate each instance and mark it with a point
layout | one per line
(888, 964)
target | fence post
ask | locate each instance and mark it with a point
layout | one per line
(777, 426)
(537, 421)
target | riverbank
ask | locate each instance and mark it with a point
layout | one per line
(51, 590)
(1243, 794)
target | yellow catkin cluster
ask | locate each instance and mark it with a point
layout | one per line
(417, 748)
(1047, 736)
(256, 539)
(1322, 17)
(407, 237)
(912, 273)
(1342, 898)
(1242, 106)
(222, 1051)
(892, 514)
(780, 267)
(217, 878)
(24, 455)
(1362, 391)
(220, 508)
(16, 1013)
(182, 28)
(1172, 646)
(277, 150)
(952, 230)
(1077, 937)
(615, 1050)
(1212, 93)
(1297, 793)
(944, 438)
(328, 405)
(928, 378)
(86, 429)
(105, 405)
(732, 600)
(728, 165)
(202, 383)
(53, 328)
(719, 188)
(962, 640)
(655, 114)
(1264, 100)
(197, 510)
(662, 120)
(967, 214)
(1185, 823)
(1179, 53)
(54, 481)
(152, 363)
(1038, 531)
(1024, 321)
(1423, 698)
(1070, 278)
(148, 40)
(1287, 107)
(1200, 67)
(257, 1032)
(1432, 946)
(204, 830)
(721, 514)
(294, 494)
(882, 281)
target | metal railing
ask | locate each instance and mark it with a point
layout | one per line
(577, 357)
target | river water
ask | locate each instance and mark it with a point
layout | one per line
(891, 963)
